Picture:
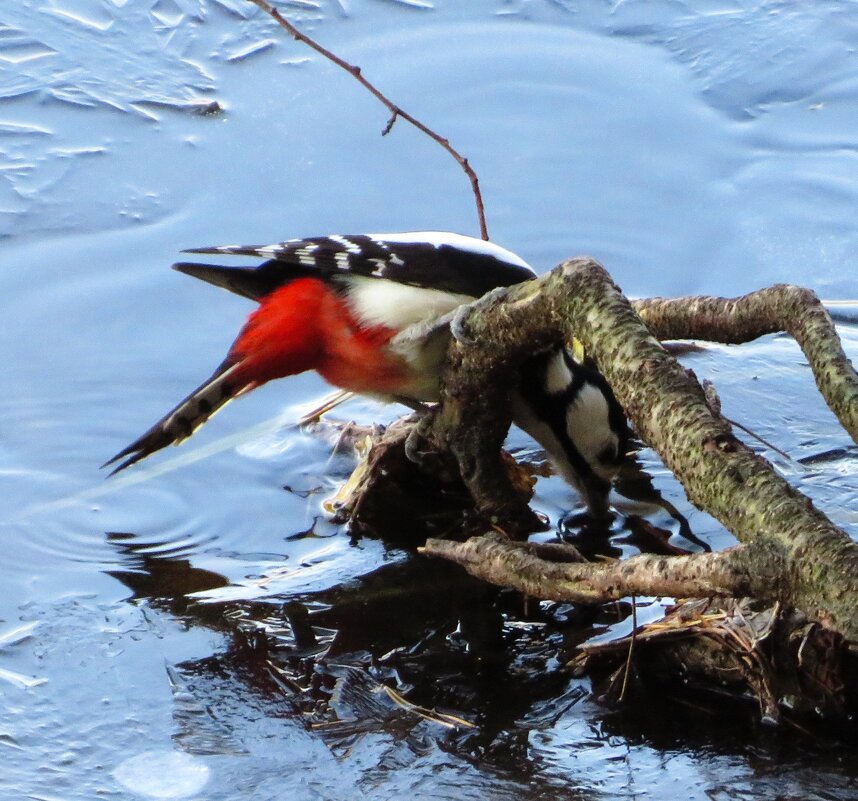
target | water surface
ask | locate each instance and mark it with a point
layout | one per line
(705, 147)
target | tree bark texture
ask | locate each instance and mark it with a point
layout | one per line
(542, 571)
(791, 309)
(810, 563)
(389, 495)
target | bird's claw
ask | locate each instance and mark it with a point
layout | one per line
(459, 323)
(416, 440)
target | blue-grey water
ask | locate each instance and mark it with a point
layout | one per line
(692, 147)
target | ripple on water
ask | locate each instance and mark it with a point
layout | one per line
(72, 530)
(717, 95)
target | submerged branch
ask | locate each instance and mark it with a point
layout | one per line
(396, 112)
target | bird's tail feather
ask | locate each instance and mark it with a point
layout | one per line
(184, 419)
(250, 282)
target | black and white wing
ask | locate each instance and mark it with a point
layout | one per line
(446, 262)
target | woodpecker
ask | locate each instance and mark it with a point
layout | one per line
(568, 407)
(340, 305)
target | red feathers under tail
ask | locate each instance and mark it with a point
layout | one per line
(286, 335)
(190, 414)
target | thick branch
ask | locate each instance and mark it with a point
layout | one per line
(396, 112)
(668, 408)
(738, 572)
(474, 415)
(794, 310)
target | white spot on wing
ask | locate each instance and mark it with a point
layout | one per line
(306, 257)
(350, 246)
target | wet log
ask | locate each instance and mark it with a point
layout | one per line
(391, 496)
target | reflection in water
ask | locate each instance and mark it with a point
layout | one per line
(686, 176)
(156, 573)
(415, 660)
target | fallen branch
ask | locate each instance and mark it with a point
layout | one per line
(807, 561)
(389, 495)
(396, 112)
(536, 572)
(780, 308)
(798, 671)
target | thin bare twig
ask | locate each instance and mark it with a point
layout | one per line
(631, 648)
(395, 111)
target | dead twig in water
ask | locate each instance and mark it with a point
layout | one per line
(632, 639)
(395, 111)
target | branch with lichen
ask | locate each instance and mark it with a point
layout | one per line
(781, 308)
(807, 561)
(550, 573)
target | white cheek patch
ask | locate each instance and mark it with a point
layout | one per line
(398, 306)
(588, 425)
(528, 422)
